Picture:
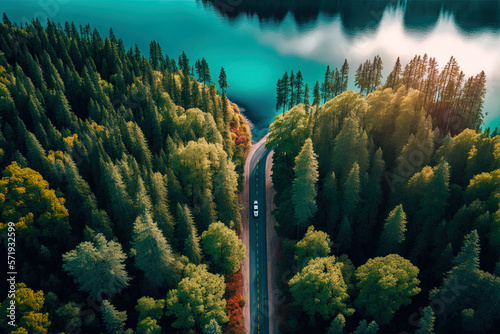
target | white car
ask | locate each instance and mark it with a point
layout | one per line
(255, 208)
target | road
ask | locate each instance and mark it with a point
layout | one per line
(259, 297)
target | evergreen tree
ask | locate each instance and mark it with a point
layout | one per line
(279, 95)
(97, 266)
(426, 323)
(114, 319)
(292, 101)
(285, 91)
(304, 185)
(316, 95)
(212, 328)
(326, 86)
(187, 235)
(337, 325)
(365, 328)
(350, 192)
(393, 234)
(299, 87)
(394, 77)
(344, 75)
(223, 80)
(307, 102)
(152, 252)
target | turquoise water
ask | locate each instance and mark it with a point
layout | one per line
(256, 53)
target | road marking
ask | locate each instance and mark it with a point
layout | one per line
(257, 272)
(257, 280)
(257, 185)
(257, 167)
(257, 290)
(257, 192)
(257, 224)
(257, 264)
(257, 179)
(257, 252)
(258, 318)
(257, 298)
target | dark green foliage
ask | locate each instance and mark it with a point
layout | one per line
(114, 319)
(106, 129)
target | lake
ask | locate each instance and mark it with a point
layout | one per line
(256, 47)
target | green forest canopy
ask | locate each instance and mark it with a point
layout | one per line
(98, 147)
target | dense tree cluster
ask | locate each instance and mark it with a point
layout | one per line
(113, 166)
(404, 174)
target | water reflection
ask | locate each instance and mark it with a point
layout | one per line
(359, 30)
(360, 15)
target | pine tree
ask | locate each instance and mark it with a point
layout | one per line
(212, 328)
(393, 78)
(114, 319)
(292, 91)
(279, 95)
(97, 266)
(285, 91)
(187, 235)
(186, 93)
(344, 75)
(393, 233)
(337, 325)
(6, 20)
(299, 88)
(307, 102)
(160, 211)
(365, 328)
(351, 192)
(326, 86)
(223, 80)
(152, 252)
(316, 95)
(426, 323)
(304, 186)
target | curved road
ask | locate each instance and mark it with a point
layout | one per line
(259, 298)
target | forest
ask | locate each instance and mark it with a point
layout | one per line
(387, 201)
(121, 173)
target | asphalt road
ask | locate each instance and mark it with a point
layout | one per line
(259, 297)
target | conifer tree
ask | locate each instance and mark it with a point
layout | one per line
(97, 266)
(304, 185)
(344, 71)
(316, 95)
(393, 233)
(114, 319)
(188, 237)
(426, 323)
(223, 80)
(152, 253)
(307, 102)
(351, 192)
(337, 325)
